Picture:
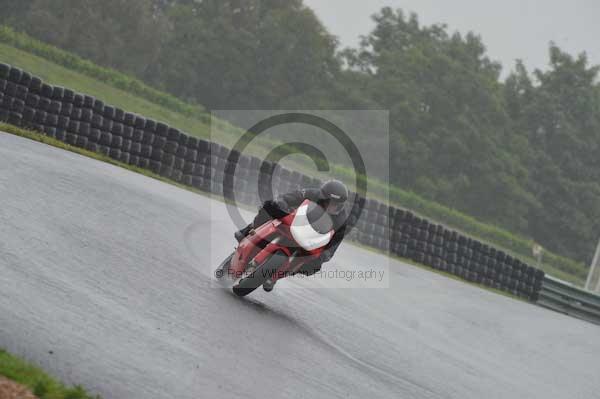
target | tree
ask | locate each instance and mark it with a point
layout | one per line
(446, 103)
(560, 118)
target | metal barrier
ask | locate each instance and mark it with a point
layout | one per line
(566, 298)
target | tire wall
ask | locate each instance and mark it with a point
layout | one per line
(87, 122)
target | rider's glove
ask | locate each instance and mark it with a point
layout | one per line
(282, 206)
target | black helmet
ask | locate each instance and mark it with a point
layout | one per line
(334, 195)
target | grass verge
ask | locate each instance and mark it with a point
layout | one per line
(102, 74)
(62, 68)
(42, 385)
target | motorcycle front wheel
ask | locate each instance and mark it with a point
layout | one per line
(223, 268)
(269, 268)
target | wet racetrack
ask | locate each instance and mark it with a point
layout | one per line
(105, 281)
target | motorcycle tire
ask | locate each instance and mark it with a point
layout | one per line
(248, 284)
(221, 271)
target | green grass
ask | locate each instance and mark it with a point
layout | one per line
(42, 385)
(102, 74)
(61, 76)
(62, 68)
(198, 124)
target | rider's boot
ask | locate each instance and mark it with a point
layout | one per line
(241, 234)
(269, 284)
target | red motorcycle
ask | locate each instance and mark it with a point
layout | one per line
(278, 248)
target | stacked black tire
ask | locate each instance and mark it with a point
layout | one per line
(446, 250)
(86, 122)
(408, 236)
(372, 224)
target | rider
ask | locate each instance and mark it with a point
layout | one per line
(332, 196)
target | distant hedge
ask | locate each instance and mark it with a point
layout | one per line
(106, 75)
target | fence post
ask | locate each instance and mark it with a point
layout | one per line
(593, 267)
(537, 252)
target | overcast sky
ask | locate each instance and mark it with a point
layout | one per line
(510, 29)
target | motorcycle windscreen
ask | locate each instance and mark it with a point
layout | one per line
(312, 227)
